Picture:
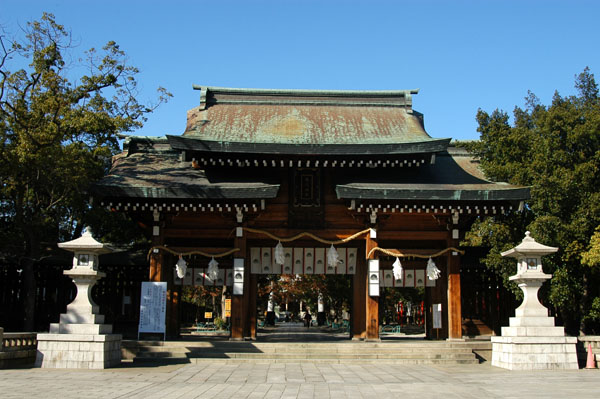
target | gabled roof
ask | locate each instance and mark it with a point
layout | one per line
(303, 121)
(289, 124)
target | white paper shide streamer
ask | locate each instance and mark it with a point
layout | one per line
(279, 254)
(181, 267)
(213, 269)
(397, 270)
(433, 273)
(333, 258)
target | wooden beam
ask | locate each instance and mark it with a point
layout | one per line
(208, 250)
(419, 235)
(328, 234)
(198, 233)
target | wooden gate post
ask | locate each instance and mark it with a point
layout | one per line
(239, 303)
(359, 287)
(372, 305)
(454, 299)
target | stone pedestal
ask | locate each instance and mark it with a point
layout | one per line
(534, 353)
(532, 341)
(81, 339)
(78, 351)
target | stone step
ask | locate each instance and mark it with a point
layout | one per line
(343, 361)
(284, 350)
(327, 355)
(317, 345)
(179, 360)
(398, 353)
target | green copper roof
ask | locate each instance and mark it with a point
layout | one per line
(455, 176)
(303, 117)
(161, 175)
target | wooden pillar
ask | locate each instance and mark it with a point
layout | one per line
(253, 292)
(160, 271)
(372, 305)
(247, 294)
(454, 300)
(438, 295)
(239, 303)
(157, 258)
(172, 315)
(359, 287)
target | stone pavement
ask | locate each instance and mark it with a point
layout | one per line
(298, 380)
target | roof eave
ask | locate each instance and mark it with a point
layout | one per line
(458, 194)
(188, 192)
(200, 145)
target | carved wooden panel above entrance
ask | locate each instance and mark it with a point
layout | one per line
(306, 198)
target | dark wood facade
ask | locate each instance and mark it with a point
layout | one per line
(256, 165)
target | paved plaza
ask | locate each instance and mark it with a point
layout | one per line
(297, 380)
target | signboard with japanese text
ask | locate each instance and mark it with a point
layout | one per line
(153, 307)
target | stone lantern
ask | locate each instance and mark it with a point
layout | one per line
(81, 339)
(532, 341)
(530, 277)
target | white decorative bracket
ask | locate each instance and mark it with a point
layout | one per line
(455, 217)
(373, 216)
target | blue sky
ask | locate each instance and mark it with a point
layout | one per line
(462, 55)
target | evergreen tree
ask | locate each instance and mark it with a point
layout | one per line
(60, 117)
(555, 150)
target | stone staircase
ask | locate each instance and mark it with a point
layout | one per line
(398, 352)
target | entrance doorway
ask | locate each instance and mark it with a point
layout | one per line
(402, 312)
(304, 307)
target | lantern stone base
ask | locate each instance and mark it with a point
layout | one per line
(535, 353)
(81, 351)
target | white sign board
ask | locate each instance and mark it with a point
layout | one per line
(437, 315)
(153, 307)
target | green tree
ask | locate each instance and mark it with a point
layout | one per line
(59, 120)
(555, 150)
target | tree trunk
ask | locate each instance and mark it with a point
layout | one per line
(29, 293)
(583, 305)
(29, 282)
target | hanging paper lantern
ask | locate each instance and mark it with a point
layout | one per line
(397, 269)
(213, 269)
(433, 273)
(333, 258)
(181, 267)
(279, 254)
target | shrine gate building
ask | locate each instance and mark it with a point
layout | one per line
(311, 169)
